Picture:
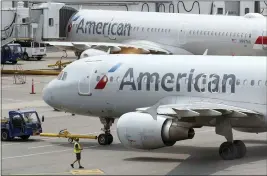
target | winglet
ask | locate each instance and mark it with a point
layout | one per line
(206, 52)
(153, 110)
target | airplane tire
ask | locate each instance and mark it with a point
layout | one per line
(228, 151)
(110, 139)
(241, 149)
(102, 139)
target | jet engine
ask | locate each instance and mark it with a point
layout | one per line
(139, 130)
(92, 52)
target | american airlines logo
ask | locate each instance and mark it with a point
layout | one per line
(170, 82)
(104, 28)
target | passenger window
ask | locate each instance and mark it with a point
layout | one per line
(151, 29)
(226, 34)
(245, 82)
(142, 29)
(111, 79)
(265, 83)
(259, 82)
(252, 82)
(118, 79)
(97, 78)
(147, 29)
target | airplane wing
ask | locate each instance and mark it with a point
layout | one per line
(200, 109)
(144, 46)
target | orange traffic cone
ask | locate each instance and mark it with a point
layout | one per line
(32, 88)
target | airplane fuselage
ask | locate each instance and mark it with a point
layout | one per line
(112, 85)
(178, 33)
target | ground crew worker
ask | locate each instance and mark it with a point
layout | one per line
(77, 151)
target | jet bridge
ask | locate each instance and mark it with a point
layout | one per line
(23, 23)
(55, 19)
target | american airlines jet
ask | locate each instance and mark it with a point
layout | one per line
(160, 99)
(97, 32)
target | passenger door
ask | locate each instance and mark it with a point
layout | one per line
(84, 84)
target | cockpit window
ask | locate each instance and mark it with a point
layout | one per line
(62, 76)
(59, 75)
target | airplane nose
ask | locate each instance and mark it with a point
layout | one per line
(47, 95)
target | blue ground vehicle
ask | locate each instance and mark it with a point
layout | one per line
(11, 53)
(21, 123)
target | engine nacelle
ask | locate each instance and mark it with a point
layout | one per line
(92, 52)
(141, 131)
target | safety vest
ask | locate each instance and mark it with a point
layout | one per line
(79, 148)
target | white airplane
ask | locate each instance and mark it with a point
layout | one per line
(93, 32)
(160, 99)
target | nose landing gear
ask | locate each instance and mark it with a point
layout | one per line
(106, 138)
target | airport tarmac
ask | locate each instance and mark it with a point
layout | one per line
(43, 155)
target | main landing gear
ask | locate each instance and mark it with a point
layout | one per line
(232, 149)
(106, 138)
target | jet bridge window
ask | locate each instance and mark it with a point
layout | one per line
(51, 22)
